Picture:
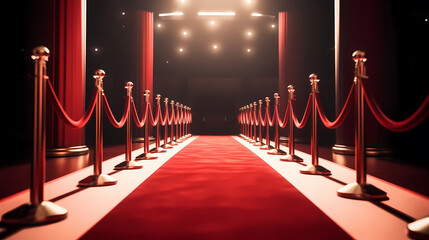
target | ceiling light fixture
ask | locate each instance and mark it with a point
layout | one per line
(171, 14)
(216, 13)
(256, 15)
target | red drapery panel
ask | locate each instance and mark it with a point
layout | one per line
(145, 68)
(282, 28)
(144, 59)
(68, 75)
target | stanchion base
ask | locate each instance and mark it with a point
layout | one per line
(276, 151)
(28, 214)
(258, 144)
(291, 158)
(361, 191)
(179, 140)
(419, 229)
(97, 181)
(158, 150)
(266, 147)
(166, 146)
(146, 156)
(173, 143)
(128, 165)
(315, 170)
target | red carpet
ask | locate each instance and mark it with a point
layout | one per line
(215, 188)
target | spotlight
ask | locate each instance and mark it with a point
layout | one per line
(95, 49)
(256, 14)
(273, 26)
(180, 49)
(170, 14)
(216, 13)
(185, 33)
(214, 46)
(212, 22)
(248, 50)
(159, 25)
(249, 33)
(123, 13)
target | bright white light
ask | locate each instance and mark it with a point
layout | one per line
(185, 33)
(96, 49)
(159, 25)
(273, 25)
(212, 22)
(123, 13)
(216, 13)
(249, 33)
(248, 50)
(257, 14)
(180, 49)
(426, 19)
(182, 1)
(249, 1)
(171, 14)
(215, 46)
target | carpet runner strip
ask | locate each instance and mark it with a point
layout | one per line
(215, 188)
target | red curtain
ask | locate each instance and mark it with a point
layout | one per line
(144, 59)
(282, 31)
(68, 75)
(145, 68)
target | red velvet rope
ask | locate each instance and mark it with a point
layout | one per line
(139, 123)
(267, 117)
(63, 114)
(302, 123)
(283, 123)
(152, 121)
(397, 126)
(343, 114)
(263, 122)
(251, 117)
(255, 116)
(170, 121)
(121, 123)
(165, 119)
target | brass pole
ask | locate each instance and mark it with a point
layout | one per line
(291, 157)
(158, 148)
(314, 168)
(166, 145)
(276, 150)
(146, 155)
(259, 142)
(129, 163)
(360, 189)
(267, 127)
(37, 211)
(98, 178)
(172, 140)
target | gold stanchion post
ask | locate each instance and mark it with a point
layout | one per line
(38, 211)
(166, 145)
(291, 157)
(174, 115)
(98, 178)
(314, 168)
(259, 138)
(129, 163)
(146, 155)
(267, 145)
(276, 150)
(158, 148)
(360, 189)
